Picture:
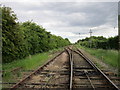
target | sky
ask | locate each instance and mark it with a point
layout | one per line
(72, 20)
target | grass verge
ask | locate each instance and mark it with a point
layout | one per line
(110, 57)
(29, 63)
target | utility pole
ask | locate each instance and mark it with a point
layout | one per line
(90, 32)
(79, 41)
(90, 41)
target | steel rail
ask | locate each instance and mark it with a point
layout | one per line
(71, 68)
(71, 78)
(96, 68)
(89, 79)
(86, 74)
(36, 71)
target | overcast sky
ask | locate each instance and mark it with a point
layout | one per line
(68, 19)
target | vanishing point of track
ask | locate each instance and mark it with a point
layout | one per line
(69, 70)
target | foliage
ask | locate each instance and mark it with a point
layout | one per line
(24, 39)
(29, 63)
(11, 35)
(100, 42)
(110, 57)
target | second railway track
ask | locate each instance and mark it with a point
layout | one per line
(86, 75)
(70, 70)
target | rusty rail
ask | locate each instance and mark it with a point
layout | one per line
(35, 72)
(97, 69)
(71, 67)
(70, 53)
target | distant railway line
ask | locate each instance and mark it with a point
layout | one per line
(70, 70)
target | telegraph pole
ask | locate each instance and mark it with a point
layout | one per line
(90, 32)
(90, 41)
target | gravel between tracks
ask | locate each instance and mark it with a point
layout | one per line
(51, 74)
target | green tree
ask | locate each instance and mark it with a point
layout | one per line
(11, 35)
(23, 39)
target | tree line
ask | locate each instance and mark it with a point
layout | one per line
(100, 42)
(23, 39)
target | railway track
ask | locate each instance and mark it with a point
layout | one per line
(69, 70)
(54, 74)
(88, 76)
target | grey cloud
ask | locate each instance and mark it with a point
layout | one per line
(96, 13)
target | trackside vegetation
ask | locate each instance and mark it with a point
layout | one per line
(103, 48)
(23, 39)
(100, 42)
(29, 63)
(109, 57)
